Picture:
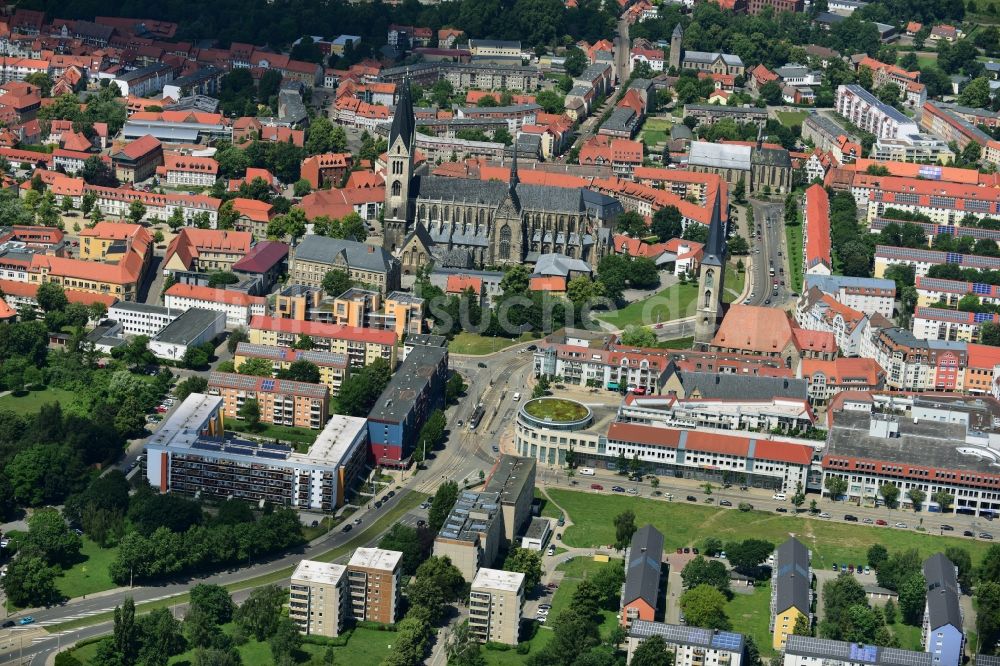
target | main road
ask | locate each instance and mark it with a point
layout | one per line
(770, 252)
(464, 456)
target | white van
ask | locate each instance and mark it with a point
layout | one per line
(586, 471)
(517, 396)
(778, 496)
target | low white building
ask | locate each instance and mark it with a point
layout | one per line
(192, 328)
(238, 306)
(142, 318)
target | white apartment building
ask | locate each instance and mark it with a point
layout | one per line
(810, 651)
(817, 311)
(943, 324)
(870, 114)
(317, 599)
(692, 646)
(239, 307)
(495, 602)
(141, 318)
(187, 171)
(867, 295)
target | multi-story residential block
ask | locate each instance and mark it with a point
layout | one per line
(809, 651)
(982, 371)
(641, 593)
(816, 232)
(872, 115)
(937, 443)
(868, 295)
(364, 263)
(111, 241)
(495, 602)
(281, 401)
(480, 75)
(777, 6)
(413, 393)
(640, 371)
(691, 646)
(333, 368)
(318, 597)
(912, 364)
(206, 250)
(145, 81)
(142, 318)
(473, 533)
(360, 345)
(374, 583)
(791, 590)
(922, 260)
(326, 169)
(828, 378)
(708, 114)
(945, 203)
(941, 629)
(239, 307)
(941, 120)
(188, 171)
(138, 160)
(943, 324)
(770, 333)
(933, 292)
(191, 453)
(817, 311)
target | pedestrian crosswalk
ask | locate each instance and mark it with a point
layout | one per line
(96, 611)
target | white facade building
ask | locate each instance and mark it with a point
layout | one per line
(142, 319)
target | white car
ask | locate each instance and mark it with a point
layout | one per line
(778, 496)
(824, 514)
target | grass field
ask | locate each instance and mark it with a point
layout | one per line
(365, 646)
(303, 436)
(655, 130)
(793, 236)
(734, 283)
(477, 345)
(577, 570)
(750, 614)
(790, 118)
(685, 525)
(88, 576)
(927, 60)
(671, 303)
(32, 401)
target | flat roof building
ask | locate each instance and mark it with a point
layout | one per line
(192, 328)
(317, 598)
(192, 453)
(373, 578)
(495, 603)
(472, 533)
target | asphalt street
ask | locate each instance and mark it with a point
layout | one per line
(769, 239)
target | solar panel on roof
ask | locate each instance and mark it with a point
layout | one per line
(239, 450)
(953, 258)
(863, 652)
(206, 446)
(274, 455)
(267, 385)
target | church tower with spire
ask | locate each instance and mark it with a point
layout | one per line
(507, 232)
(711, 281)
(397, 211)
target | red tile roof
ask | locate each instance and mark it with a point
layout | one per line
(140, 147)
(456, 284)
(713, 442)
(262, 257)
(817, 217)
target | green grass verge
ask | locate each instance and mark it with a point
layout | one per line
(547, 508)
(793, 236)
(575, 571)
(686, 524)
(671, 303)
(735, 281)
(556, 409)
(297, 436)
(477, 345)
(412, 499)
(790, 118)
(909, 636)
(32, 401)
(365, 646)
(91, 575)
(750, 614)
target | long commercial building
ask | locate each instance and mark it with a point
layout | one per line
(280, 401)
(239, 307)
(192, 453)
(361, 345)
(922, 260)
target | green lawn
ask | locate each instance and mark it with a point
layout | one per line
(548, 509)
(32, 401)
(685, 524)
(790, 118)
(365, 646)
(909, 636)
(928, 60)
(793, 235)
(750, 614)
(91, 575)
(655, 130)
(577, 570)
(511, 657)
(671, 303)
(477, 345)
(735, 281)
(303, 436)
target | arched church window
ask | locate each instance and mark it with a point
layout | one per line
(505, 242)
(397, 188)
(709, 278)
(708, 298)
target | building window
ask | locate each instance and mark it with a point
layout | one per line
(505, 242)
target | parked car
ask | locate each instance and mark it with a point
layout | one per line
(901, 525)
(421, 523)
(632, 491)
(968, 533)
(781, 509)
(986, 535)
(824, 514)
(851, 518)
(552, 550)
(868, 521)
(709, 500)
(617, 489)
(725, 503)
(357, 521)
(881, 522)
(692, 498)
(850, 568)
(378, 504)
(835, 567)
(596, 486)
(26, 620)
(545, 607)
(947, 528)
(8, 624)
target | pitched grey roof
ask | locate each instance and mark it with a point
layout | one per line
(720, 155)
(792, 577)
(363, 256)
(402, 117)
(491, 192)
(942, 592)
(642, 573)
(777, 157)
(554, 263)
(732, 387)
(715, 246)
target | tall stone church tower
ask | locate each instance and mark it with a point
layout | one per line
(399, 172)
(711, 281)
(507, 232)
(676, 47)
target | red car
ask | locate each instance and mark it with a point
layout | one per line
(596, 486)
(881, 522)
